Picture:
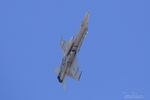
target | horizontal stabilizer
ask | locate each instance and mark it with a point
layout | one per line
(74, 70)
(77, 76)
(57, 70)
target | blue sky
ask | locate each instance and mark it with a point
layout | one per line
(114, 58)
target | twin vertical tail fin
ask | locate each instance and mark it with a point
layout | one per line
(64, 84)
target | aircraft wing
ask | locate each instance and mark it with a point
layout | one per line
(74, 70)
(63, 44)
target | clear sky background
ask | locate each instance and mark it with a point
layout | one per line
(114, 58)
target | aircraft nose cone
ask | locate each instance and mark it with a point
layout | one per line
(87, 15)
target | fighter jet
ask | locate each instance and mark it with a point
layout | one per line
(69, 65)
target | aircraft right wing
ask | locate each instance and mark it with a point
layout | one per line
(63, 44)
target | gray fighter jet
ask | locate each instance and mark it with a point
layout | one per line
(69, 65)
